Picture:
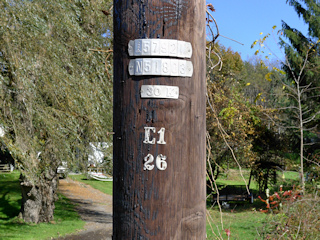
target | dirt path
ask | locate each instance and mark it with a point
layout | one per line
(93, 206)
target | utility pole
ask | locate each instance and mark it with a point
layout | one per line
(159, 186)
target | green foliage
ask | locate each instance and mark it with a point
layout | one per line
(300, 47)
(228, 113)
(55, 83)
(228, 108)
(269, 147)
(250, 101)
(240, 99)
(296, 91)
(263, 82)
(55, 93)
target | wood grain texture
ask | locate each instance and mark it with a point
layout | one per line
(169, 204)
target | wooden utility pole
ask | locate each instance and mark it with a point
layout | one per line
(159, 120)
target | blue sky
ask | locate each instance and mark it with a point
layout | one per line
(245, 20)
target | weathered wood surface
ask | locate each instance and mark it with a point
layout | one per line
(5, 168)
(155, 204)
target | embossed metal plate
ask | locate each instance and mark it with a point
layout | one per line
(160, 67)
(159, 91)
(160, 47)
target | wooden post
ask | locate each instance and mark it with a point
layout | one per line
(159, 120)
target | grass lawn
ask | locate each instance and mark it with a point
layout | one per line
(291, 175)
(244, 224)
(105, 187)
(66, 220)
(244, 220)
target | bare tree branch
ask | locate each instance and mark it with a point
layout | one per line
(223, 134)
(308, 160)
(278, 125)
(286, 108)
(310, 118)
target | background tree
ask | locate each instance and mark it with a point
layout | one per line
(269, 147)
(298, 99)
(229, 107)
(263, 87)
(263, 82)
(303, 70)
(241, 95)
(55, 92)
(223, 92)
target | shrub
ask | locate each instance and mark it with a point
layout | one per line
(292, 216)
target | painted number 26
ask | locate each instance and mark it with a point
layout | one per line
(160, 162)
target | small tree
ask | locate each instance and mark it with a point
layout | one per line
(303, 70)
(300, 88)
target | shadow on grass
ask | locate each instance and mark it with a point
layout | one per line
(239, 206)
(6, 208)
(10, 196)
(64, 210)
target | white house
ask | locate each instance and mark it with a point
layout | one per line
(97, 153)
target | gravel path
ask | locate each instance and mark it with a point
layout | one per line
(93, 206)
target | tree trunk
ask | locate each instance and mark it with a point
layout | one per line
(38, 198)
